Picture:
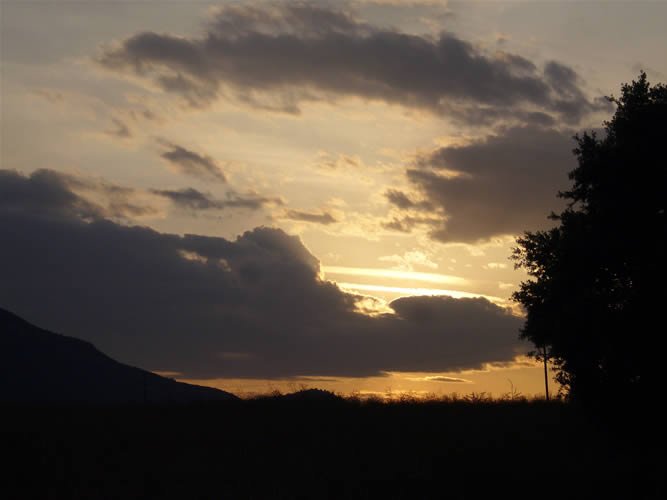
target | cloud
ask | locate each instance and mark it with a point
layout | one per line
(120, 130)
(406, 224)
(53, 96)
(60, 195)
(277, 56)
(314, 217)
(183, 303)
(144, 114)
(192, 199)
(330, 162)
(410, 260)
(447, 379)
(188, 162)
(251, 201)
(441, 378)
(504, 184)
(402, 200)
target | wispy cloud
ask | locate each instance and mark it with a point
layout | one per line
(193, 199)
(440, 378)
(188, 162)
(314, 217)
(120, 130)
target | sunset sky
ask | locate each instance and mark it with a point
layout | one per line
(260, 195)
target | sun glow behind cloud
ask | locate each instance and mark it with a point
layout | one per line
(405, 291)
(395, 274)
(402, 283)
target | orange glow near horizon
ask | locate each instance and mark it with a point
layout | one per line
(524, 377)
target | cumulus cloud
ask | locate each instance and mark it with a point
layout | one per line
(184, 303)
(314, 217)
(277, 56)
(188, 162)
(503, 184)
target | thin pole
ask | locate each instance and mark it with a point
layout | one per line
(546, 376)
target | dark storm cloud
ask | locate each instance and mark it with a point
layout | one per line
(191, 163)
(211, 307)
(505, 184)
(314, 217)
(279, 56)
(192, 199)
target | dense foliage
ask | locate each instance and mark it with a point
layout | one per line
(595, 299)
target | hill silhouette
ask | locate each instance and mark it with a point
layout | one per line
(39, 366)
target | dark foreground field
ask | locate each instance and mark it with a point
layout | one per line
(290, 448)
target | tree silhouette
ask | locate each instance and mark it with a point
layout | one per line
(596, 298)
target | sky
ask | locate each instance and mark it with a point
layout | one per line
(274, 195)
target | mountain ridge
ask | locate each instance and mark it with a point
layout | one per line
(40, 366)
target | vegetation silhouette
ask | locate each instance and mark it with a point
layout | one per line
(279, 447)
(595, 301)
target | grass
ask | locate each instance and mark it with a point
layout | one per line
(317, 445)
